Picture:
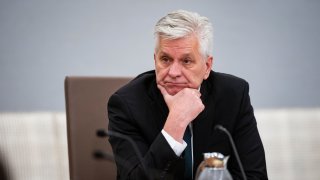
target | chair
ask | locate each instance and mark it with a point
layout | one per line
(86, 109)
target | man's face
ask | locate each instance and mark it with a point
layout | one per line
(179, 64)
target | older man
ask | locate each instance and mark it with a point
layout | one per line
(171, 112)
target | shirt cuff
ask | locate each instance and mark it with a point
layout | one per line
(177, 147)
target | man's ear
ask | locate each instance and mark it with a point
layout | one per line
(208, 66)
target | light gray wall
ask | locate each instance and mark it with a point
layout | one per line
(273, 44)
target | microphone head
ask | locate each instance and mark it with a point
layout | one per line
(103, 155)
(102, 133)
(221, 128)
(218, 127)
(98, 154)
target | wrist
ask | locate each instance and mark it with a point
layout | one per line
(175, 128)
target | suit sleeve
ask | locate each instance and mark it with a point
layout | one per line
(157, 156)
(248, 142)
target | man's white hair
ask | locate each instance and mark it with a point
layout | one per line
(180, 24)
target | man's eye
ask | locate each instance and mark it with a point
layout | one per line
(186, 61)
(165, 59)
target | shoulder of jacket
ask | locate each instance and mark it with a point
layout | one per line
(227, 80)
(139, 83)
(223, 83)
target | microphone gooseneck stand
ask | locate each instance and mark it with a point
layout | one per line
(223, 129)
(103, 133)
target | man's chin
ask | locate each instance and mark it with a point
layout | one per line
(174, 90)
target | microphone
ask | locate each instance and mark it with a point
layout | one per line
(103, 133)
(102, 155)
(221, 128)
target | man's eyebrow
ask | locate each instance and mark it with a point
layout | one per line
(164, 54)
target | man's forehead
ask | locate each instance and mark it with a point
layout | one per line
(184, 48)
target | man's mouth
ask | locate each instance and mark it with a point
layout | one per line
(175, 84)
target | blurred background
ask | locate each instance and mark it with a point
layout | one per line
(273, 44)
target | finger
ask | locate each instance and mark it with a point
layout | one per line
(162, 90)
(197, 93)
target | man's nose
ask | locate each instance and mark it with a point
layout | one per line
(175, 70)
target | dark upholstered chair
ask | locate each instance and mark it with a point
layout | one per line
(86, 109)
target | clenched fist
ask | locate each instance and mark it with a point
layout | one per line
(183, 107)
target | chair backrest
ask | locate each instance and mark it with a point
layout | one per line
(86, 109)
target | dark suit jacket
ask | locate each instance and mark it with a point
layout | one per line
(139, 111)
